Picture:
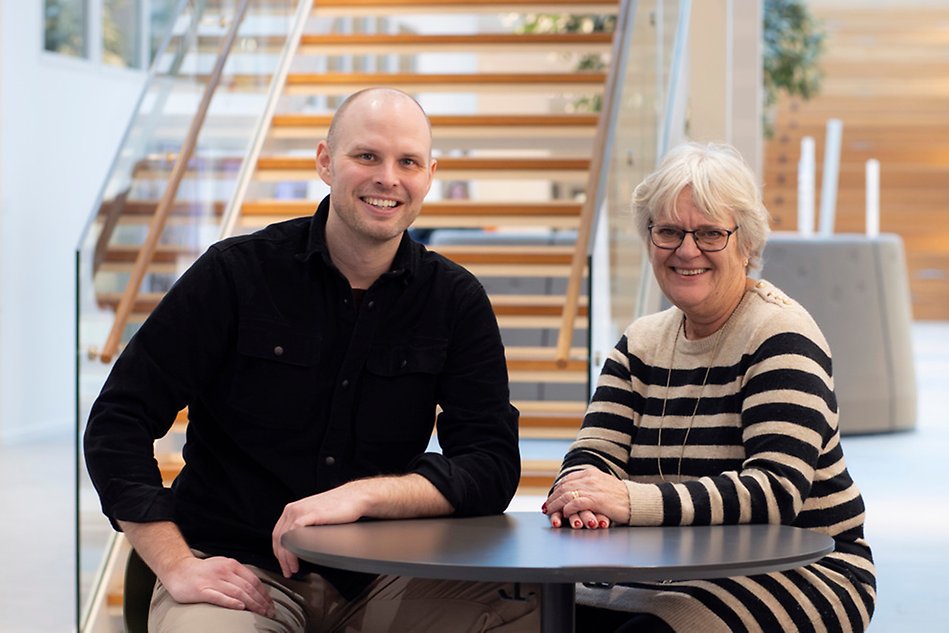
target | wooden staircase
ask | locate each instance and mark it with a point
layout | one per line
(886, 66)
(506, 134)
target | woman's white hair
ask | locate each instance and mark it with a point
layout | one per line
(722, 185)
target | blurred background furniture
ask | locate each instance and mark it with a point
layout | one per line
(857, 289)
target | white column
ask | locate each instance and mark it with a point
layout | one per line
(873, 197)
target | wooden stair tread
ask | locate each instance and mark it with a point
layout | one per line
(466, 121)
(450, 163)
(348, 79)
(521, 305)
(165, 253)
(381, 6)
(310, 43)
(171, 463)
(551, 305)
(440, 208)
(528, 352)
(529, 321)
(337, 83)
(524, 256)
(147, 207)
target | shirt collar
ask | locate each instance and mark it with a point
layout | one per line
(407, 258)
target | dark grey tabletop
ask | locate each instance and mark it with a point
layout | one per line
(522, 547)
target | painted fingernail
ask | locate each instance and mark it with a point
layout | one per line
(543, 508)
(555, 523)
(577, 524)
(591, 523)
(604, 524)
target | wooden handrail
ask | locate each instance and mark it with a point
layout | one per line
(157, 224)
(589, 210)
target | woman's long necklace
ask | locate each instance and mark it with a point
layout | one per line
(695, 410)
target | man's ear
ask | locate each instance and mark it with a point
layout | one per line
(323, 163)
(431, 175)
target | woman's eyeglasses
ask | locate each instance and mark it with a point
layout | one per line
(707, 240)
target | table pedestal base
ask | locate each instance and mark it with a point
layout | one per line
(557, 607)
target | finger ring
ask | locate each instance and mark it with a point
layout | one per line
(575, 494)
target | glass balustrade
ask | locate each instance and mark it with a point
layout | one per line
(645, 106)
(183, 124)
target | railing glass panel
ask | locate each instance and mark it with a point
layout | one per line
(642, 102)
(245, 41)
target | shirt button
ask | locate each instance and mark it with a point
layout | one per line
(330, 460)
(344, 384)
(278, 351)
(403, 364)
(370, 304)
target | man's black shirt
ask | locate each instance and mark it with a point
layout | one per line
(292, 390)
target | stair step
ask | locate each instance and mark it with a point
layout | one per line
(532, 304)
(553, 376)
(303, 168)
(283, 168)
(145, 302)
(544, 354)
(412, 43)
(507, 305)
(541, 322)
(385, 7)
(507, 126)
(164, 254)
(517, 321)
(393, 43)
(515, 254)
(550, 419)
(148, 207)
(464, 255)
(345, 83)
(535, 474)
(450, 213)
(569, 366)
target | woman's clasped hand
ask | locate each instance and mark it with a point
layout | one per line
(588, 498)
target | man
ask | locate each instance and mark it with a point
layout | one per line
(311, 356)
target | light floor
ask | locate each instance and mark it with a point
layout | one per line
(903, 478)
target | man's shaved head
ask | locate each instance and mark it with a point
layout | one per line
(382, 93)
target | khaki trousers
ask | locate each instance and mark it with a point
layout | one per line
(395, 604)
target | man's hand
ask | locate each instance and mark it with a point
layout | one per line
(217, 580)
(402, 497)
(340, 505)
(189, 579)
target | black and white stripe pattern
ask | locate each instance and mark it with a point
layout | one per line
(764, 447)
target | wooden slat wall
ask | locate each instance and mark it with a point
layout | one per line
(887, 79)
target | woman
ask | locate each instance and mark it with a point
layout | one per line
(719, 410)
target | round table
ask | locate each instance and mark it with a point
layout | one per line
(522, 547)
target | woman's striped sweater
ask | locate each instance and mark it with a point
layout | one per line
(764, 447)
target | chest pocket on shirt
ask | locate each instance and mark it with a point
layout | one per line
(276, 374)
(397, 404)
(421, 356)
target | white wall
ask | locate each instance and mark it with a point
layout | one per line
(60, 122)
(725, 75)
